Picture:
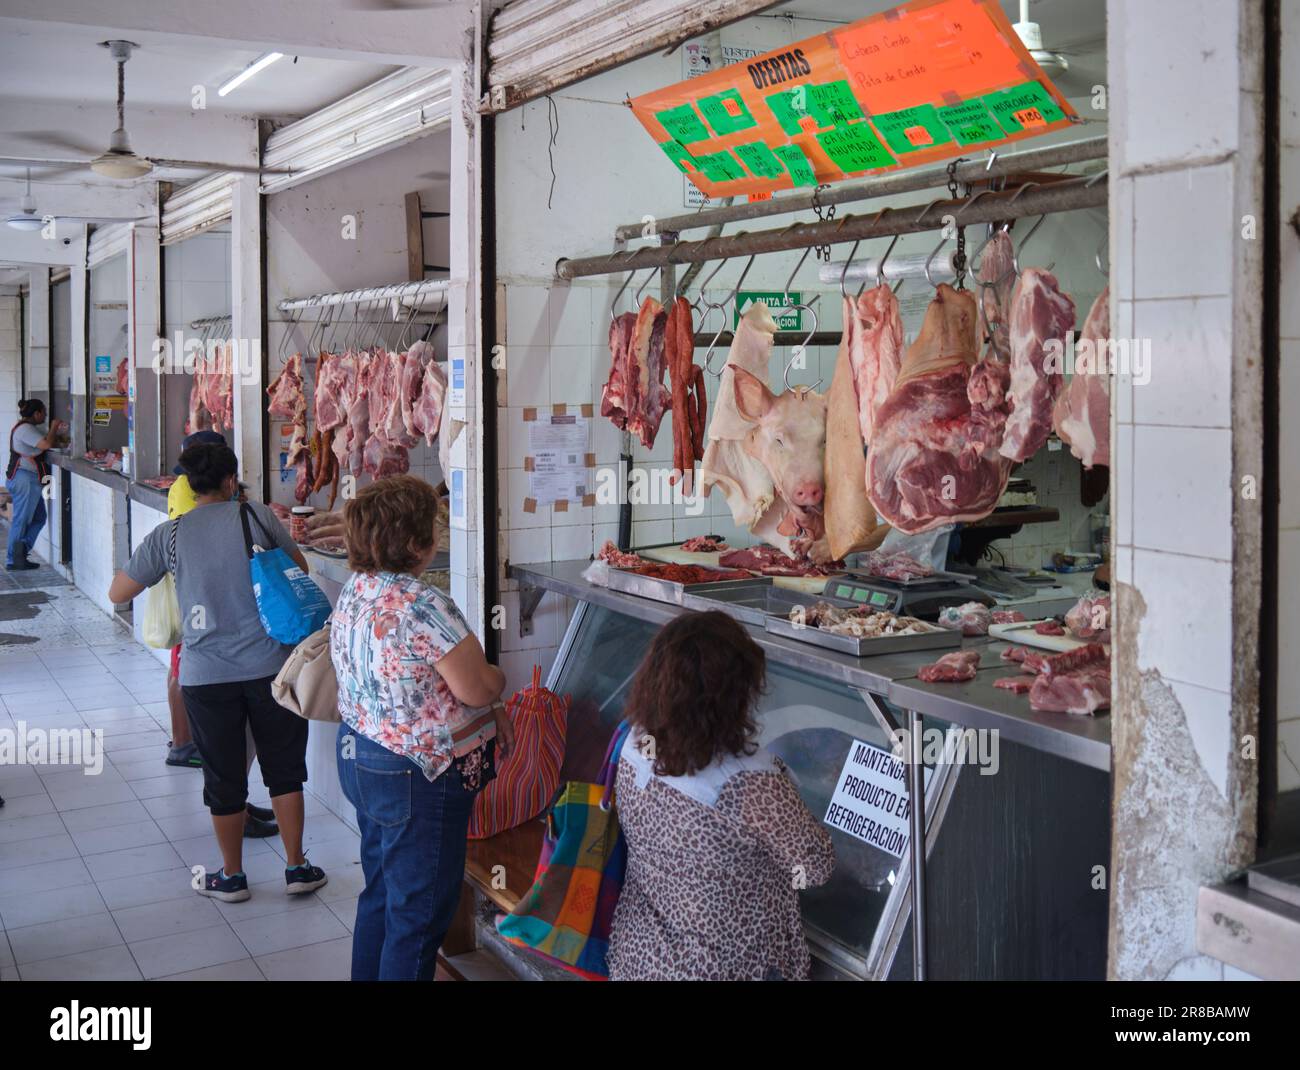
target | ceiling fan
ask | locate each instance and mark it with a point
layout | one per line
(29, 219)
(1054, 61)
(120, 161)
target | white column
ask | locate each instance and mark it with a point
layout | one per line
(246, 298)
(38, 333)
(79, 281)
(144, 327)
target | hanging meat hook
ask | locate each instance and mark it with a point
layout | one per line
(708, 356)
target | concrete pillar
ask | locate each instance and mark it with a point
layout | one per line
(79, 280)
(38, 334)
(144, 328)
(246, 299)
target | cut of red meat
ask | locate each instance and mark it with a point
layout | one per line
(957, 667)
(933, 456)
(635, 397)
(612, 555)
(772, 562)
(426, 417)
(287, 399)
(123, 376)
(1042, 318)
(1007, 616)
(1049, 627)
(970, 618)
(1085, 690)
(899, 565)
(1015, 654)
(1019, 684)
(1089, 618)
(1059, 664)
(707, 544)
(1082, 412)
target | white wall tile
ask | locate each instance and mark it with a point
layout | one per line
(1122, 486)
(1122, 381)
(1173, 258)
(1288, 624)
(1288, 755)
(1182, 490)
(529, 547)
(528, 375)
(527, 317)
(572, 542)
(1187, 633)
(518, 490)
(1289, 431)
(1153, 65)
(1190, 381)
(569, 310)
(571, 374)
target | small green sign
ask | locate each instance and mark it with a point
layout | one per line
(789, 106)
(833, 103)
(726, 112)
(799, 166)
(791, 320)
(760, 159)
(683, 124)
(970, 122)
(855, 148)
(678, 153)
(1025, 107)
(720, 167)
(912, 129)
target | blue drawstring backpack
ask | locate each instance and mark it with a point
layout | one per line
(289, 602)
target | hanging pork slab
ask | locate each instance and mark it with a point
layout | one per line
(1042, 318)
(931, 461)
(1082, 412)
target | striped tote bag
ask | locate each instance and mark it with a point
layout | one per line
(528, 779)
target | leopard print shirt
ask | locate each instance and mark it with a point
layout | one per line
(710, 890)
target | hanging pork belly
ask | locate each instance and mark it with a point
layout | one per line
(1081, 415)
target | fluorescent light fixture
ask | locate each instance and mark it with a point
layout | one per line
(25, 222)
(243, 76)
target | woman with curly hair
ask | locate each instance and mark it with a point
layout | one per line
(718, 839)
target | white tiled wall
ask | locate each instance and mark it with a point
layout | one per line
(99, 521)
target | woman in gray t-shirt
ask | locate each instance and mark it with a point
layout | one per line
(228, 662)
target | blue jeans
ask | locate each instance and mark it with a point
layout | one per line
(29, 511)
(413, 835)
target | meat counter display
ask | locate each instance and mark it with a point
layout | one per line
(1013, 841)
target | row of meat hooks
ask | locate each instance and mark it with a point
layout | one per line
(361, 332)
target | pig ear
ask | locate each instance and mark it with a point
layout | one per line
(753, 398)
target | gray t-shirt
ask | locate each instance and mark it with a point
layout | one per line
(26, 437)
(222, 636)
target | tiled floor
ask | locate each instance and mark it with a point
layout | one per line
(94, 869)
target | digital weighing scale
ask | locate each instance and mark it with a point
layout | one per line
(923, 597)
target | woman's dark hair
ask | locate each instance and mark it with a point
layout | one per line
(30, 407)
(208, 466)
(389, 525)
(695, 691)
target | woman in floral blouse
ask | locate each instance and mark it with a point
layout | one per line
(422, 726)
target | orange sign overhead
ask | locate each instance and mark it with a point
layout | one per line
(924, 82)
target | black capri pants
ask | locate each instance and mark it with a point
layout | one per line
(217, 715)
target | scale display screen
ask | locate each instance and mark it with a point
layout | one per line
(853, 593)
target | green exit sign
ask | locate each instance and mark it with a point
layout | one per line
(791, 320)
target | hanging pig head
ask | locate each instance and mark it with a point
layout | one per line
(788, 438)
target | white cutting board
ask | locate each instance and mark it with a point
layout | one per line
(675, 555)
(1022, 631)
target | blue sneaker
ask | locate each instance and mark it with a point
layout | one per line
(232, 889)
(299, 880)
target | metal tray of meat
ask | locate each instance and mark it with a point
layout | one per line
(749, 601)
(670, 591)
(860, 646)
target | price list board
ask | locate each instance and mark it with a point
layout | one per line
(921, 83)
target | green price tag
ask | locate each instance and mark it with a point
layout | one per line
(799, 166)
(759, 159)
(789, 106)
(726, 112)
(833, 104)
(912, 129)
(970, 122)
(720, 167)
(678, 153)
(855, 148)
(1024, 107)
(683, 125)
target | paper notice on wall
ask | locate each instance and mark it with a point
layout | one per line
(456, 383)
(871, 800)
(557, 448)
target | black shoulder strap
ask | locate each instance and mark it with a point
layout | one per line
(245, 511)
(171, 546)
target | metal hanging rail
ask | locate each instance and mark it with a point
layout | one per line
(886, 185)
(406, 292)
(985, 206)
(209, 321)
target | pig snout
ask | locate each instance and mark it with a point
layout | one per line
(807, 494)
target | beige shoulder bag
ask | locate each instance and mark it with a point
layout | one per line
(306, 684)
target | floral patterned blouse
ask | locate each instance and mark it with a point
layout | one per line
(388, 630)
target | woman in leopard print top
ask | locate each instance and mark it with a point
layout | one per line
(719, 841)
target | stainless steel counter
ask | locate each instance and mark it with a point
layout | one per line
(976, 704)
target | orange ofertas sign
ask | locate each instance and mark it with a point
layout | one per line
(924, 82)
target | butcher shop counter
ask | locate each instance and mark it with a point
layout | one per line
(1014, 827)
(974, 704)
